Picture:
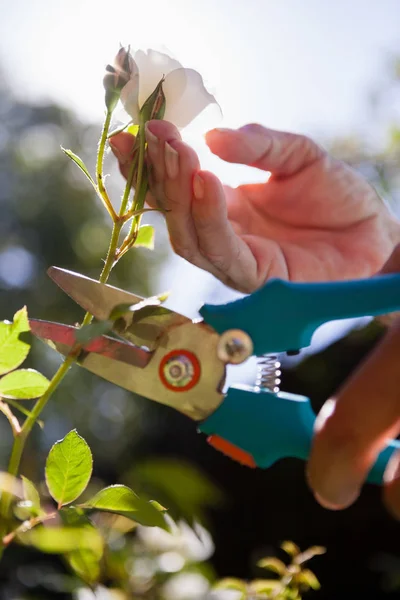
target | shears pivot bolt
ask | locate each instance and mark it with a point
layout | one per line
(179, 370)
(234, 346)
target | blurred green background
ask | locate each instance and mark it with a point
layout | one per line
(330, 71)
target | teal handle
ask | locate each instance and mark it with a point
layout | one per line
(273, 426)
(283, 315)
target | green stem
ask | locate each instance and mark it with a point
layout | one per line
(142, 147)
(20, 439)
(127, 191)
(99, 167)
(140, 194)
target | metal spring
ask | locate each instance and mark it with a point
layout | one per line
(268, 373)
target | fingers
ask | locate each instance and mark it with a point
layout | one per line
(392, 486)
(352, 429)
(283, 154)
(196, 216)
(217, 240)
(122, 146)
(173, 164)
(391, 266)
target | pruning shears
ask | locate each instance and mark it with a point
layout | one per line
(182, 363)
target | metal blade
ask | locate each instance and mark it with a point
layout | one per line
(197, 403)
(62, 338)
(99, 299)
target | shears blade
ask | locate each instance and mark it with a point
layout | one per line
(63, 339)
(100, 299)
(148, 373)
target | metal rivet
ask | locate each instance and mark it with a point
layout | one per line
(235, 346)
(179, 370)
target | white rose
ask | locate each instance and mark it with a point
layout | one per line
(184, 90)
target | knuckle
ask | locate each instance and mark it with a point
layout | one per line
(219, 261)
(186, 252)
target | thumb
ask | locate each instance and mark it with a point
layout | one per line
(281, 153)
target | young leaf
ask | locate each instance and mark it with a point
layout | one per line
(129, 127)
(31, 494)
(121, 500)
(68, 468)
(133, 129)
(58, 540)
(78, 161)
(308, 579)
(272, 564)
(309, 554)
(145, 237)
(23, 384)
(87, 333)
(264, 586)
(232, 583)
(13, 349)
(290, 548)
(141, 309)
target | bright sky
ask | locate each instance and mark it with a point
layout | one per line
(302, 65)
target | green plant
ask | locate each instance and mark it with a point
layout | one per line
(291, 582)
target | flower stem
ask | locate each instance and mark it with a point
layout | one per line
(99, 167)
(20, 439)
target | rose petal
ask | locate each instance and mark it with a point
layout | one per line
(153, 66)
(129, 97)
(182, 108)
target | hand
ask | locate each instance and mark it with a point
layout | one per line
(315, 219)
(352, 428)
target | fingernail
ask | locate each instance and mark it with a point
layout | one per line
(171, 161)
(120, 154)
(152, 143)
(121, 158)
(222, 130)
(198, 187)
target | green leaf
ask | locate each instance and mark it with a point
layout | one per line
(87, 333)
(121, 500)
(308, 579)
(78, 161)
(68, 468)
(31, 494)
(129, 127)
(10, 485)
(148, 303)
(264, 586)
(13, 349)
(290, 548)
(25, 510)
(58, 540)
(272, 564)
(145, 237)
(23, 384)
(85, 563)
(234, 584)
(309, 554)
(133, 129)
(181, 486)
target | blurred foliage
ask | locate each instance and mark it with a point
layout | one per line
(375, 151)
(291, 582)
